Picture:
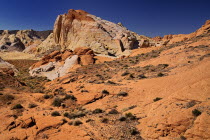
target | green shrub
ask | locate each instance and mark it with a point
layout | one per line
(57, 102)
(142, 76)
(182, 138)
(78, 114)
(125, 73)
(46, 96)
(17, 106)
(55, 113)
(191, 104)
(157, 99)
(9, 97)
(122, 118)
(64, 121)
(113, 111)
(60, 91)
(84, 90)
(2, 87)
(160, 74)
(134, 131)
(66, 114)
(123, 94)
(128, 114)
(75, 123)
(97, 111)
(196, 112)
(104, 120)
(105, 92)
(72, 97)
(110, 82)
(6, 98)
(89, 120)
(32, 105)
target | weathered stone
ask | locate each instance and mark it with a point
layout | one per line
(79, 28)
(86, 59)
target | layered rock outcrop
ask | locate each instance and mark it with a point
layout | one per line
(11, 43)
(58, 63)
(170, 39)
(18, 40)
(27, 37)
(79, 28)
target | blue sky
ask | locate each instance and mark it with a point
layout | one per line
(146, 17)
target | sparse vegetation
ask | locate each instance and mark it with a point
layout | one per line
(72, 97)
(29, 83)
(2, 87)
(125, 73)
(134, 131)
(130, 116)
(46, 96)
(55, 113)
(191, 104)
(122, 118)
(75, 123)
(128, 108)
(64, 121)
(105, 92)
(104, 120)
(111, 83)
(97, 111)
(196, 112)
(17, 106)
(57, 102)
(123, 94)
(76, 115)
(7, 97)
(32, 105)
(142, 76)
(182, 138)
(89, 120)
(113, 111)
(157, 99)
(84, 90)
(59, 91)
(66, 114)
(160, 74)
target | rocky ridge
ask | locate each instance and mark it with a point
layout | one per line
(78, 28)
(170, 39)
(18, 40)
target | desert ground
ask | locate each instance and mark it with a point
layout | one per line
(150, 92)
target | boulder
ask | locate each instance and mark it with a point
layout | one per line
(83, 51)
(7, 68)
(66, 54)
(58, 63)
(55, 69)
(29, 122)
(86, 60)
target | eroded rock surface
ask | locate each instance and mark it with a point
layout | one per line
(7, 68)
(58, 64)
(79, 28)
